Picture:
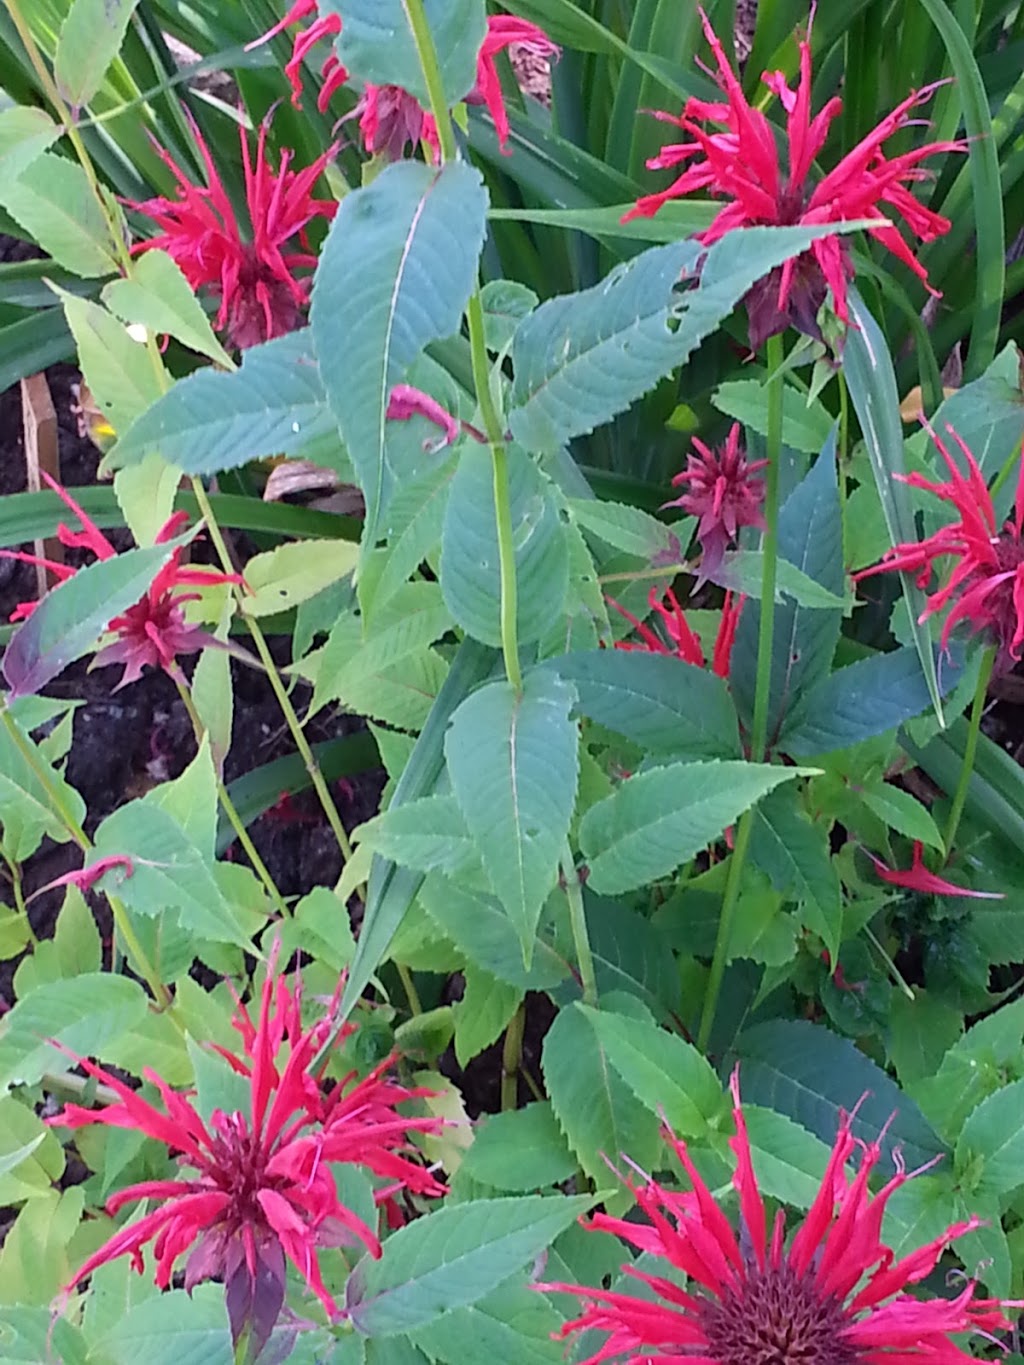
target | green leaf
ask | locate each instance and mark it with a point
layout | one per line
(582, 358)
(168, 871)
(52, 200)
(25, 133)
(211, 420)
(921, 1031)
(416, 519)
(812, 1075)
(349, 667)
(377, 43)
(395, 273)
(70, 620)
(428, 834)
(631, 956)
(159, 298)
(482, 1015)
(31, 1157)
(515, 1323)
(658, 819)
(520, 1150)
(89, 40)
(27, 806)
(859, 702)
(174, 1328)
(595, 1109)
(871, 379)
(480, 928)
(743, 570)
(83, 1013)
(993, 1135)
(805, 637)
(793, 851)
(29, 1335)
(505, 304)
(664, 1072)
(901, 811)
(119, 372)
(659, 702)
(805, 426)
(789, 1161)
(629, 529)
(292, 573)
(390, 889)
(470, 555)
(513, 766)
(452, 1258)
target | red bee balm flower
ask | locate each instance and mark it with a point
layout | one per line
(389, 117)
(683, 641)
(741, 163)
(263, 1190)
(721, 490)
(917, 877)
(253, 271)
(986, 583)
(154, 630)
(836, 1296)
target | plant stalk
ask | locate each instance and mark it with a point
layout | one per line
(490, 416)
(770, 550)
(512, 1060)
(229, 807)
(276, 683)
(970, 748)
(762, 685)
(578, 921)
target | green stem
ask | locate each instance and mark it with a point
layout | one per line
(770, 550)
(276, 683)
(409, 986)
(578, 920)
(489, 413)
(512, 1060)
(762, 685)
(228, 806)
(734, 881)
(844, 437)
(970, 748)
(122, 921)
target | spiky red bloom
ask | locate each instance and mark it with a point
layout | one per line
(389, 117)
(154, 630)
(731, 151)
(502, 32)
(251, 268)
(986, 582)
(836, 1295)
(917, 877)
(262, 1189)
(682, 639)
(722, 491)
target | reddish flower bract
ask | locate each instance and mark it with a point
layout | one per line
(154, 630)
(252, 270)
(917, 877)
(682, 639)
(722, 491)
(730, 150)
(986, 581)
(389, 117)
(835, 1294)
(262, 1189)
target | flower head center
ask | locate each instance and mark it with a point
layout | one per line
(240, 1163)
(776, 1317)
